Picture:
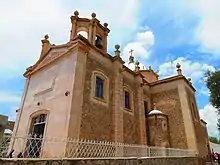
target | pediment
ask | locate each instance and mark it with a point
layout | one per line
(49, 57)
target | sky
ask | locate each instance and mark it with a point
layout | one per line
(161, 33)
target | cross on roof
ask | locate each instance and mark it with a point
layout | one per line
(131, 51)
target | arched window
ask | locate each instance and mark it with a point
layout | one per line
(38, 125)
(36, 133)
(98, 42)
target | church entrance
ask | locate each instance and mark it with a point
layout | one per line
(34, 143)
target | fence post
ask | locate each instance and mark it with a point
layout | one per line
(149, 152)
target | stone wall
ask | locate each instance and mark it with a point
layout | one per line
(131, 119)
(97, 119)
(126, 161)
(159, 131)
(169, 103)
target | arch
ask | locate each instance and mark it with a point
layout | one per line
(83, 33)
(82, 28)
(101, 75)
(37, 128)
(38, 112)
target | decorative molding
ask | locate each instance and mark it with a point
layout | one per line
(105, 100)
(46, 90)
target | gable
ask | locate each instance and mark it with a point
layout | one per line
(53, 54)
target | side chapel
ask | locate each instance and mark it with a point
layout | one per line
(78, 90)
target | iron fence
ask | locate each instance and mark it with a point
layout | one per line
(32, 147)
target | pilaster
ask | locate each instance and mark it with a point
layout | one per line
(77, 93)
(118, 101)
(140, 98)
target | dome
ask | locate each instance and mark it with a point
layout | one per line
(155, 112)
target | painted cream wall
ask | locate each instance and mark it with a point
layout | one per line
(48, 86)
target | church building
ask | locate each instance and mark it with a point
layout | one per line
(78, 90)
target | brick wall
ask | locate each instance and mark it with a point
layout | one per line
(97, 119)
(159, 131)
(127, 161)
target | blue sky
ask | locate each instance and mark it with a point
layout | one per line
(161, 34)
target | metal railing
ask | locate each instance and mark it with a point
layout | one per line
(30, 147)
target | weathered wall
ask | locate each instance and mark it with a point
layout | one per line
(169, 103)
(125, 161)
(131, 119)
(48, 87)
(97, 122)
(159, 131)
(3, 123)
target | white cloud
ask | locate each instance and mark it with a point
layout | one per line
(6, 97)
(201, 17)
(208, 113)
(207, 31)
(141, 45)
(22, 29)
(194, 70)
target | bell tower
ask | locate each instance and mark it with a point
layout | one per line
(93, 30)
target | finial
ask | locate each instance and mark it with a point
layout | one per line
(131, 51)
(189, 79)
(76, 13)
(137, 68)
(137, 63)
(45, 45)
(154, 106)
(105, 25)
(117, 51)
(93, 15)
(179, 71)
(46, 37)
(178, 66)
(131, 58)
(45, 40)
